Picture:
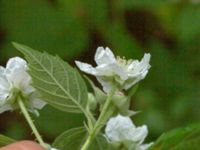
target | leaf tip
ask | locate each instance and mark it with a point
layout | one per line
(16, 45)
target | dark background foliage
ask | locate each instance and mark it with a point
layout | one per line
(169, 97)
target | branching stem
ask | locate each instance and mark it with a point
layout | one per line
(101, 120)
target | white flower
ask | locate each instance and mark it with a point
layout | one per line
(125, 72)
(120, 128)
(53, 149)
(15, 80)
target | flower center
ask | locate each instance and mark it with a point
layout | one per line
(123, 61)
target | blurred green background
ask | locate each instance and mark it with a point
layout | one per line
(169, 97)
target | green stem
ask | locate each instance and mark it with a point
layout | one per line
(30, 122)
(101, 120)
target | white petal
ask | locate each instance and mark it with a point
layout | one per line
(106, 84)
(3, 97)
(104, 56)
(2, 70)
(143, 146)
(53, 149)
(132, 81)
(111, 70)
(143, 66)
(5, 107)
(16, 72)
(118, 128)
(145, 63)
(137, 68)
(4, 84)
(4, 87)
(35, 102)
(38, 104)
(86, 68)
(19, 78)
(139, 134)
(137, 71)
(16, 63)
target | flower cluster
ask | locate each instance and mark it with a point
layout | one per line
(125, 73)
(115, 74)
(15, 81)
(120, 131)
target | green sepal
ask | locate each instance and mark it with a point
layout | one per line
(100, 96)
(123, 145)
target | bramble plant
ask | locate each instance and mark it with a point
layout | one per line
(46, 79)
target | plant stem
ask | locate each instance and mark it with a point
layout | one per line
(30, 122)
(101, 120)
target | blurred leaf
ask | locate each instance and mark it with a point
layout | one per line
(74, 138)
(179, 139)
(52, 122)
(143, 4)
(121, 40)
(4, 140)
(42, 25)
(16, 129)
(166, 70)
(97, 13)
(59, 84)
(188, 23)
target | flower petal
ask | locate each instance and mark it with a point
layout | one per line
(37, 103)
(137, 71)
(139, 134)
(112, 69)
(132, 81)
(16, 72)
(16, 63)
(143, 146)
(118, 128)
(106, 83)
(4, 86)
(86, 68)
(143, 66)
(104, 56)
(34, 104)
(19, 78)
(5, 107)
(140, 68)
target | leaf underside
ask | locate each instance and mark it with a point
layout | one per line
(58, 83)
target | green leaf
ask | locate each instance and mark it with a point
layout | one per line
(4, 140)
(188, 24)
(58, 83)
(70, 139)
(122, 42)
(179, 139)
(74, 139)
(37, 18)
(58, 121)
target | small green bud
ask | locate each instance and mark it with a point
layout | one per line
(92, 104)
